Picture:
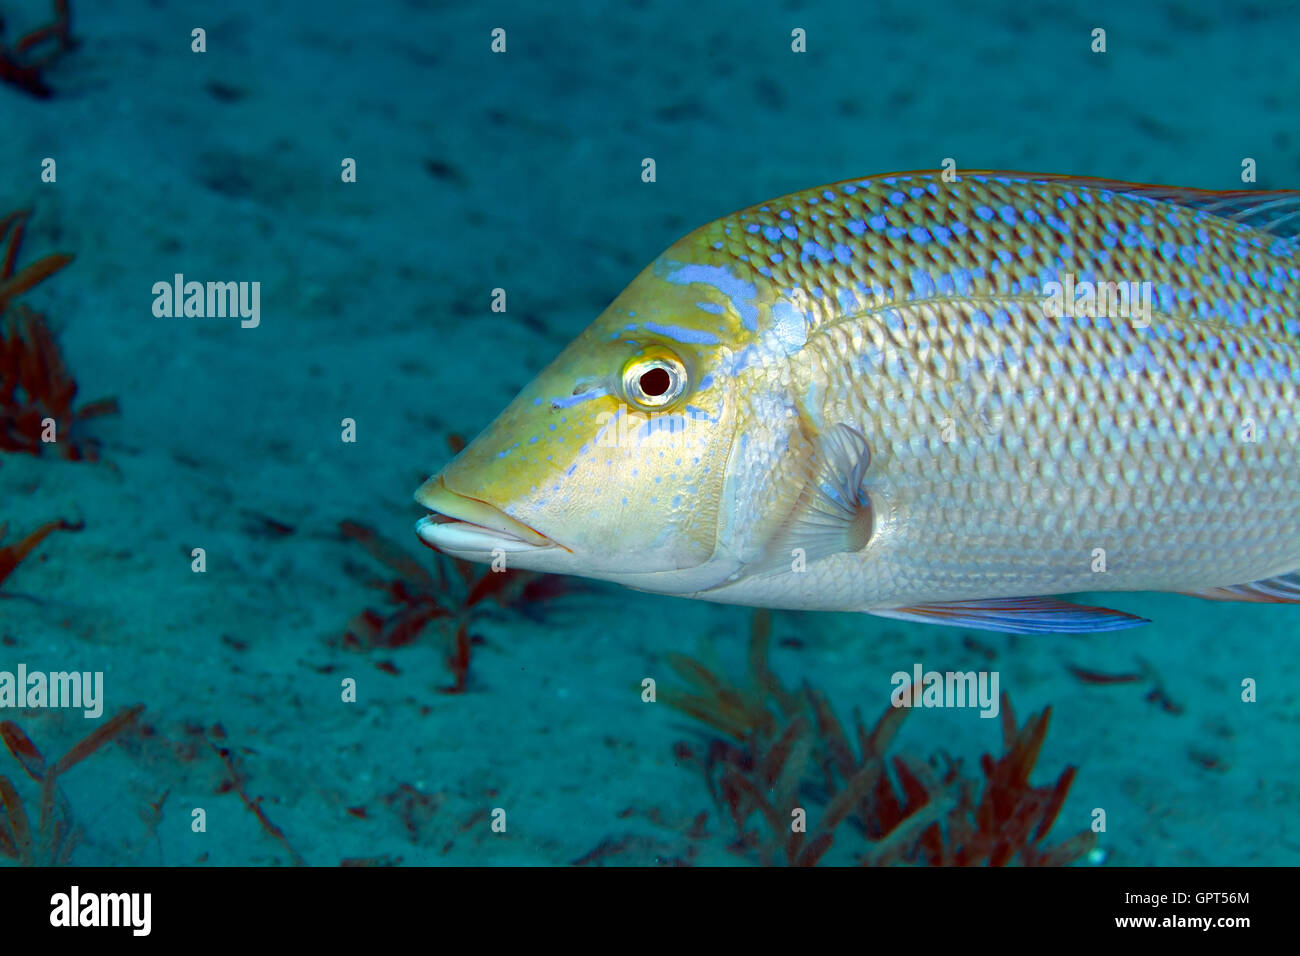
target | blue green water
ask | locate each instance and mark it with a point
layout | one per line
(522, 170)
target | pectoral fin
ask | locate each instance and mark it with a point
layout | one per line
(832, 514)
(1028, 615)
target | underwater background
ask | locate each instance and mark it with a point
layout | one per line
(520, 701)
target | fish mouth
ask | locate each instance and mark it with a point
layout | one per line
(461, 525)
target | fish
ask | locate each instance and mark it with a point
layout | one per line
(947, 398)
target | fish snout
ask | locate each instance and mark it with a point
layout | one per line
(468, 527)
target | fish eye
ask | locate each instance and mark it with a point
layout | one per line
(653, 382)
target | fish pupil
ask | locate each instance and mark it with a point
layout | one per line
(656, 382)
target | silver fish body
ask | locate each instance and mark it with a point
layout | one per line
(927, 399)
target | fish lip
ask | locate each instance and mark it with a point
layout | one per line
(464, 524)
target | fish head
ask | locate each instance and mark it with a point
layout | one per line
(611, 463)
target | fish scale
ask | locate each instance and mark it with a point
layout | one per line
(878, 251)
(978, 496)
(889, 414)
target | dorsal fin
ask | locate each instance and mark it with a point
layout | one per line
(1274, 212)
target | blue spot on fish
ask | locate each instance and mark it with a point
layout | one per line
(816, 250)
(922, 284)
(740, 292)
(568, 401)
(1166, 294)
(679, 334)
